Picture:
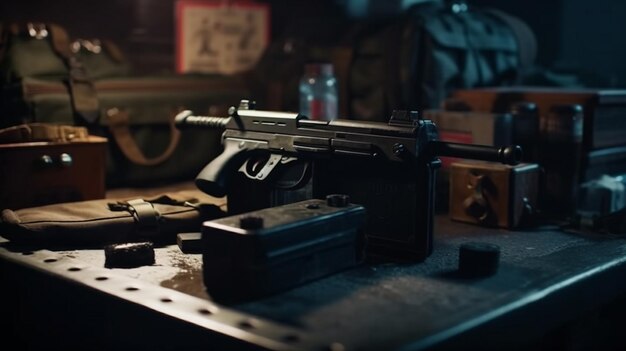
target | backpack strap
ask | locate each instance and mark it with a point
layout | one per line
(119, 126)
(114, 51)
(82, 92)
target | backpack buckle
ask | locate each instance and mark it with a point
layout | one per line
(37, 30)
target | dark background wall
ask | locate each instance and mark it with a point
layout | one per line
(581, 36)
(544, 17)
(592, 39)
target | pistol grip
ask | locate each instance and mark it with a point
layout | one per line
(213, 179)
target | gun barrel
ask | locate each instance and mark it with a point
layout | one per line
(187, 119)
(510, 155)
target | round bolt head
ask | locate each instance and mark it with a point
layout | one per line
(478, 259)
(45, 161)
(398, 149)
(337, 200)
(251, 222)
(65, 160)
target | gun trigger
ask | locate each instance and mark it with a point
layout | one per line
(269, 165)
(286, 159)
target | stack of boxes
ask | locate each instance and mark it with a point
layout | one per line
(574, 135)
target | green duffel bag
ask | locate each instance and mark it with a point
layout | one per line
(33, 50)
(101, 58)
(43, 50)
(136, 114)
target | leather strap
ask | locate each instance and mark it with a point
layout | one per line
(119, 127)
(43, 132)
(82, 91)
(83, 95)
(146, 216)
(114, 51)
(58, 133)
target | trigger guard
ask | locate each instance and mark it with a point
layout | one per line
(304, 178)
(286, 159)
(269, 165)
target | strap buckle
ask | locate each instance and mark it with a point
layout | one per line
(94, 46)
(37, 30)
(145, 215)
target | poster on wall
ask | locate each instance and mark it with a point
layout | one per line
(220, 37)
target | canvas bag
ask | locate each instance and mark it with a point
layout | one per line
(155, 218)
(46, 81)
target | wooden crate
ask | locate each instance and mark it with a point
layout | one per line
(40, 173)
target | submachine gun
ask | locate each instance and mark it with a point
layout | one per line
(272, 158)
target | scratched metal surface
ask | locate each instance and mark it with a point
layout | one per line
(390, 306)
(172, 268)
(416, 306)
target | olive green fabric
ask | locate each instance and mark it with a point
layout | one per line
(150, 104)
(105, 221)
(25, 55)
(48, 79)
(43, 50)
(101, 58)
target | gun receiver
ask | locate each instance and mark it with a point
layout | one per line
(389, 168)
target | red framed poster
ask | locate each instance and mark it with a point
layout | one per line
(220, 37)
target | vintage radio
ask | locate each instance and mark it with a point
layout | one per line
(492, 194)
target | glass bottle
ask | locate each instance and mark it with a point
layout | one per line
(318, 92)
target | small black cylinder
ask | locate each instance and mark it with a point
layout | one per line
(478, 259)
(129, 255)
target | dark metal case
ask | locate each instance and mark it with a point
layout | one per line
(262, 252)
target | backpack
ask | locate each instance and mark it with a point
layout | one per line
(416, 60)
